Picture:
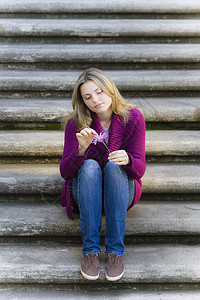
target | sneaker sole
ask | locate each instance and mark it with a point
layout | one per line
(114, 278)
(89, 277)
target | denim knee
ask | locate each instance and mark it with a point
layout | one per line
(89, 168)
(111, 167)
(115, 184)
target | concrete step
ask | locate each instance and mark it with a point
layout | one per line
(146, 219)
(45, 263)
(106, 6)
(116, 53)
(180, 110)
(50, 143)
(126, 81)
(99, 291)
(91, 28)
(44, 180)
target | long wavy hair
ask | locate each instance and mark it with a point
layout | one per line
(81, 113)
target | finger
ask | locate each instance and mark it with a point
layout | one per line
(89, 131)
(84, 133)
(114, 153)
(78, 134)
(119, 156)
(113, 158)
(118, 152)
(119, 163)
(93, 131)
(117, 159)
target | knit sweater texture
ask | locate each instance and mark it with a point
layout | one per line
(129, 137)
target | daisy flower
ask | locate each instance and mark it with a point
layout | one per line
(100, 138)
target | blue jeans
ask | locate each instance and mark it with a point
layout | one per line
(118, 196)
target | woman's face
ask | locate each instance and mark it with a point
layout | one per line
(94, 98)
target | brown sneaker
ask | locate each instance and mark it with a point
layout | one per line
(90, 266)
(114, 267)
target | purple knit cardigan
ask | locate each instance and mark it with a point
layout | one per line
(129, 137)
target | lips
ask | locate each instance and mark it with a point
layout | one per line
(98, 105)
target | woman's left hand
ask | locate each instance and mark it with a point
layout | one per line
(119, 157)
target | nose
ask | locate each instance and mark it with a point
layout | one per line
(95, 98)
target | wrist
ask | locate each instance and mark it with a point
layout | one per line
(81, 150)
(129, 160)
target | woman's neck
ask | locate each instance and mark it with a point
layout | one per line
(105, 118)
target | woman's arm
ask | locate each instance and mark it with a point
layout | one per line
(136, 149)
(71, 161)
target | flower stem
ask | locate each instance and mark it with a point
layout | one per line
(191, 208)
(110, 152)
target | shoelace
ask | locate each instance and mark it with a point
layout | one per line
(113, 260)
(91, 259)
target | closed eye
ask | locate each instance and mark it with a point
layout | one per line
(97, 92)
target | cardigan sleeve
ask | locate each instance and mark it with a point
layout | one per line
(136, 149)
(71, 161)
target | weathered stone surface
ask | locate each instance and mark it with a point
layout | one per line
(50, 143)
(151, 80)
(172, 178)
(147, 218)
(31, 143)
(170, 142)
(153, 109)
(34, 80)
(97, 28)
(45, 263)
(125, 53)
(39, 179)
(51, 263)
(101, 6)
(30, 179)
(169, 109)
(33, 110)
(103, 292)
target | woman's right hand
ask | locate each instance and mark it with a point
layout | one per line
(85, 138)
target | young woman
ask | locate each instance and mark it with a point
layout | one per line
(102, 175)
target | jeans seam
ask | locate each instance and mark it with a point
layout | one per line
(98, 220)
(79, 203)
(122, 230)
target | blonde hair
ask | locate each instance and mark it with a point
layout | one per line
(81, 112)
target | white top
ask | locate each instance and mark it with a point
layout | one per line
(106, 130)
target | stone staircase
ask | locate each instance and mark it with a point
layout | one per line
(151, 50)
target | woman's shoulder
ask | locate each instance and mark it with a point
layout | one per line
(71, 125)
(135, 113)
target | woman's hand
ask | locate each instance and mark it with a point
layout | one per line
(85, 138)
(119, 157)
